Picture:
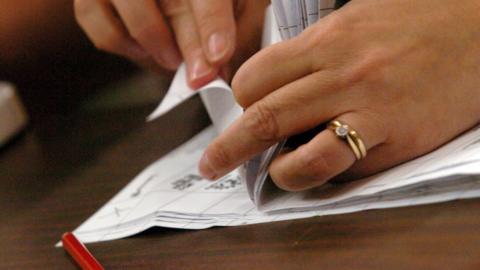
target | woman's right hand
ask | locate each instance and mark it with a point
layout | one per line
(205, 34)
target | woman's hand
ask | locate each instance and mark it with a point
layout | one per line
(159, 33)
(405, 74)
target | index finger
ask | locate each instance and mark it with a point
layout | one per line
(271, 119)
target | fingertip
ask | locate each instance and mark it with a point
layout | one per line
(199, 73)
(198, 83)
(205, 168)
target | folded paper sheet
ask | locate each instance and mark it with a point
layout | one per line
(171, 193)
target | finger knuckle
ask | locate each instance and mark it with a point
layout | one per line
(261, 122)
(370, 67)
(206, 25)
(328, 31)
(337, 22)
(288, 49)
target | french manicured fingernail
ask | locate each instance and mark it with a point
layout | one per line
(217, 46)
(206, 169)
(199, 69)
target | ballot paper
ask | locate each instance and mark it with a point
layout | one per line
(171, 193)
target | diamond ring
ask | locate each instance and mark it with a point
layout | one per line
(346, 133)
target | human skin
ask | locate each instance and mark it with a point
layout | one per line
(405, 74)
(212, 36)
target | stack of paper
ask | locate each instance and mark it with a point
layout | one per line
(293, 16)
(171, 193)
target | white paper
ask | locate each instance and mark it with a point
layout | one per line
(171, 193)
(216, 97)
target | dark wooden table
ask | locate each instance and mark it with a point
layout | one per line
(59, 172)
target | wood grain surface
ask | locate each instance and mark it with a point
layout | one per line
(57, 174)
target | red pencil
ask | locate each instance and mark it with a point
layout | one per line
(80, 253)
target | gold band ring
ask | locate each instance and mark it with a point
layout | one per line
(344, 132)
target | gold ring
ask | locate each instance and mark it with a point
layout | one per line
(346, 133)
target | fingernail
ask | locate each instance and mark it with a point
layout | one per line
(199, 69)
(217, 46)
(206, 169)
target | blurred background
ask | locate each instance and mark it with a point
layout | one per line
(55, 68)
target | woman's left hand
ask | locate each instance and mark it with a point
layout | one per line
(405, 74)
